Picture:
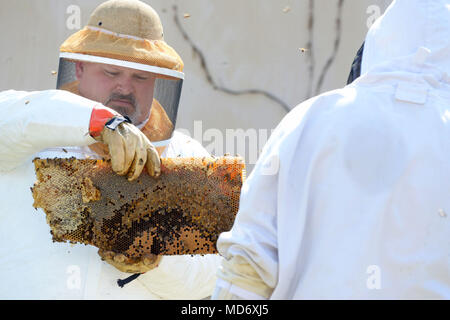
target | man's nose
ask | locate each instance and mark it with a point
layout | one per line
(124, 85)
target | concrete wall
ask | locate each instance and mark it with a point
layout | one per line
(253, 69)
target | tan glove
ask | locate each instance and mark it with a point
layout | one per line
(124, 264)
(130, 150)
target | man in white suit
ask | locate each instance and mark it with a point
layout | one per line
(359, 207)
(119, 86)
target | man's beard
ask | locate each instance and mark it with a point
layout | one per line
(130, 111)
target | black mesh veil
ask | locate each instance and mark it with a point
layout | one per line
(167, 90)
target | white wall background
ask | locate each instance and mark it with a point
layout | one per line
(251, 51)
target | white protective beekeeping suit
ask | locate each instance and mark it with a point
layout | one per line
(56, 123)
(359, 207)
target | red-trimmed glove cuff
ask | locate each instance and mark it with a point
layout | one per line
(99, 117)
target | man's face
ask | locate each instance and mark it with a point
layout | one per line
(127, 91)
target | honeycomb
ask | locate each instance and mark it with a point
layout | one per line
(183, 211)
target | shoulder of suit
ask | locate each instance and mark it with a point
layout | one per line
(185, 146)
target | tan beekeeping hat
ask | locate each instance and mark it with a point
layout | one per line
(128, 33)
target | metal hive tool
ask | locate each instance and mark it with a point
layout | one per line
(181, 212)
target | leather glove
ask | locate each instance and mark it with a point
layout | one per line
(129, 148)
(124, 264)
(130, 151)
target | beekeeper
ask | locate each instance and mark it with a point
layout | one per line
(359, 205)
(116, 76)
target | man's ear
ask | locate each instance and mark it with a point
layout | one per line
(79, 69)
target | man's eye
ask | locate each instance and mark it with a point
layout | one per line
(111, 73)
(141, 78)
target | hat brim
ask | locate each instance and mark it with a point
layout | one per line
(155, 56)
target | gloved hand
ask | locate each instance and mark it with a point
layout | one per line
(130, 151)
(124, 264)
(129, 148)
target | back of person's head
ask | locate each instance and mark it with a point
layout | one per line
(406, 26)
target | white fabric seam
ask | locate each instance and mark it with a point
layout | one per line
(238, 291)
(119, 35)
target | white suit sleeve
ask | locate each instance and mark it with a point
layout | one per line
(32, 121)
(250, 266)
